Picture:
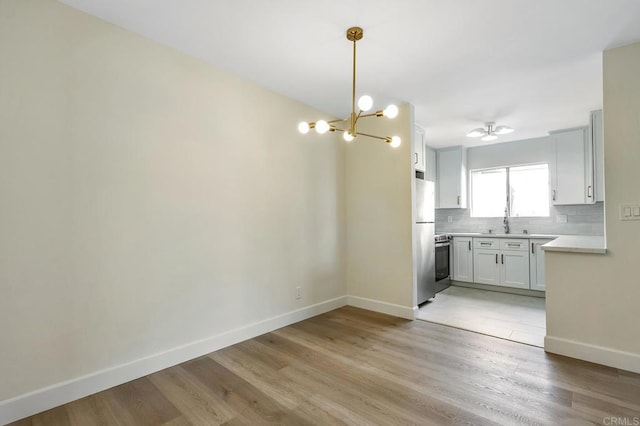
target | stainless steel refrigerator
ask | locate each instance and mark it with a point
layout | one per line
(425, 226)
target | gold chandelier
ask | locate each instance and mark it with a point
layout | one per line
(364, 104)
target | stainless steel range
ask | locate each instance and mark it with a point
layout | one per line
(443, 256)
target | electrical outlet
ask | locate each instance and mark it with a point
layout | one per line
(450, 219)
(561, 218)
(298, 292)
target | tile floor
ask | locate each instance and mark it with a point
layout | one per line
(508, 316)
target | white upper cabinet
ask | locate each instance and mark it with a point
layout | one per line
(579, 172)
(430, 163)
(424, 158)
(451, 182)
(418, 149)
(596, 126)
(571, 183)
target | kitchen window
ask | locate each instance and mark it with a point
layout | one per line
(522, 190)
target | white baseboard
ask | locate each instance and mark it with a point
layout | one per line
(61, 393)
(383, 307)
(592, 353)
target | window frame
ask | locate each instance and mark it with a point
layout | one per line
(507, 189)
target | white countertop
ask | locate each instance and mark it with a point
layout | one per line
(577, 244)
(495, 235)
(560, 243)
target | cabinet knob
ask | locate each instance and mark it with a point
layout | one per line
(502, 258)
(554, 195)
(416, 160)
(458, 200)
(496, 258)
(589, 192)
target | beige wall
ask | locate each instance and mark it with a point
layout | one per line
(593, 299)
(379, 213)
(147, 199)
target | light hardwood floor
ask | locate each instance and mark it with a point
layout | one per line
(508, 316)
(352, 366)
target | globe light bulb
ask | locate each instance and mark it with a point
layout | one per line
(395, 141)
(390, 111)
(347, 136)
(303, 127)
(489, 138)
(322, 127)
(365, 103)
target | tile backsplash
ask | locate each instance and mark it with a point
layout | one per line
(583, 219)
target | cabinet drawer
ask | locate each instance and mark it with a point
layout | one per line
(486, 243)
(514, 244)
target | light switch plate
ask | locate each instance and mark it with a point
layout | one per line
(629, 211)
(561, 218)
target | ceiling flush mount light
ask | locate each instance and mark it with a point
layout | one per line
(365, 103)
(491, 133)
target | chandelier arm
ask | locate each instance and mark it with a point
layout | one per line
(355, 121)
(373, 114)
(338, 120)
(386, 139)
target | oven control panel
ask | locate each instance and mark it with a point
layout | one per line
(443, 238)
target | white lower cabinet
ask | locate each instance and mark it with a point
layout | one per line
(486, 266)
(536, 264)
(514, 269)
(503, 262)
(506, 262)
(462, 259)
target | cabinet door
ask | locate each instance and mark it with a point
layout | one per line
(597, 140)
(571, 184)
(462, 259)
(486, 266)
(514, 269)
(451, 181)
(430, 163)
(418, 153)
(536, 264)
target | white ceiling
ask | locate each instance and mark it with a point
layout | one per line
(535, 65)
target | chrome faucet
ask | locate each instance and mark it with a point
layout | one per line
(506, 221)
